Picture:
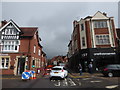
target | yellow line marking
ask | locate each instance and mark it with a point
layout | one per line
(10, 78)
(78, 76)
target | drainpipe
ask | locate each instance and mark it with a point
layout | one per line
(29, 55)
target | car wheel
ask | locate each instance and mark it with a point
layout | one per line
(50, 78)
(110, 74)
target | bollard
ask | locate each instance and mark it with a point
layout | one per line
(33, 74)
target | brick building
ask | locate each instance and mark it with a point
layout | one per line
(93, 40)
(58, 60)
(20, 48)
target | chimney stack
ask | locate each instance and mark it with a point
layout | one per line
(104, 13)
(3, 23)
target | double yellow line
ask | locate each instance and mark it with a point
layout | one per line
(10, 78)
(74, 76)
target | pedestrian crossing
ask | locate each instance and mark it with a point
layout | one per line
(66, 82)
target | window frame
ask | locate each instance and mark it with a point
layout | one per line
(10, 45)
(83, 42)
(82, 26)
(5, 66)
(34, 49)
(100, 24)
(39, 52)
(102, 39)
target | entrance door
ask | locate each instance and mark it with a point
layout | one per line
(21, 65)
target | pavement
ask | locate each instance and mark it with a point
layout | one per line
(10, 77)
(84, 75)
(71, 75)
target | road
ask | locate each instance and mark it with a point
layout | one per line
(69, 82)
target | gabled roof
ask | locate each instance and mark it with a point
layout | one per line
(28, 31)
(100, 15)
(13, 23)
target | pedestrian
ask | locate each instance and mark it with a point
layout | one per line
(80, 69)
(90, 66)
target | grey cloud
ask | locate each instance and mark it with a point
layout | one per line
(54, 20)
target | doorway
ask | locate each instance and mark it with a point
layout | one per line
(20, 66)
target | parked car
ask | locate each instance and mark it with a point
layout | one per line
(111, 70)
(58, 72)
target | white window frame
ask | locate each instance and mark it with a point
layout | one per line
(34, 48)
(39, 52)
(10, 45)
(5, 63)
(100, 24)
(105, 39)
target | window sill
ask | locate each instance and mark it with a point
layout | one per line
(4, 68)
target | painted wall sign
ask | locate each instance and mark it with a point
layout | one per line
(97, 54)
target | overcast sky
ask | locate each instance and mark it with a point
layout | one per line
(55, 19)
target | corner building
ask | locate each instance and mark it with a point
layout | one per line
(20, 49)
(93, 40)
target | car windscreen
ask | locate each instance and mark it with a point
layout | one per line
(56, 68)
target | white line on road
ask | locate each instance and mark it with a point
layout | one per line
(86, 78)
(71, 82)
(58, 84)
(112, 86)
(79, 82)
(95, 81)
(65, 82)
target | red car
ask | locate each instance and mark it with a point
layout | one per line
(48, 69)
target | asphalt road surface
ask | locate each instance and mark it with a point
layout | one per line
(69, 82)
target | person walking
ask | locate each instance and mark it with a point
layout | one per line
(90, 66)
(80, 69)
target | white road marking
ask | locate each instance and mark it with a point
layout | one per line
(112, 86)
(58, 84)
(65, 82)
(86, 78)
(71, 82)
(95, 81)
(79, 82)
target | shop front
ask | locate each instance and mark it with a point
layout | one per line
(98, 56)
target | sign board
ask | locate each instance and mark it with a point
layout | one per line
(98, 54)
(55, 62)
